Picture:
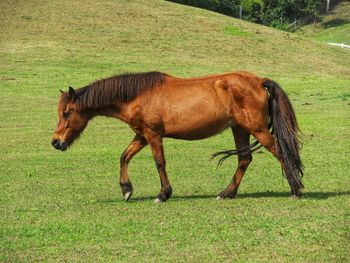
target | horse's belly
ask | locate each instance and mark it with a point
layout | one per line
(190, 113)
(196, 130)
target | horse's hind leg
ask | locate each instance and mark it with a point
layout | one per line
(266, 139)
(241, 140)
(135, 146)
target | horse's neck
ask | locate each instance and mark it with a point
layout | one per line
(115, 111)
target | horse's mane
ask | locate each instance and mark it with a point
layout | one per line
(121, 88)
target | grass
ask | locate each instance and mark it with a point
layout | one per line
(231, 30)
(68, 206)
(332, 27)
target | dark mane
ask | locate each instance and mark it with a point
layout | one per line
(121, 88)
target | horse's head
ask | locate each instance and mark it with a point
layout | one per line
(71, 121)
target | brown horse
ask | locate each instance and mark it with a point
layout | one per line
(157, 105)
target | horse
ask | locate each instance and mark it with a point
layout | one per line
(157, 105)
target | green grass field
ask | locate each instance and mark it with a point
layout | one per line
(68, 206)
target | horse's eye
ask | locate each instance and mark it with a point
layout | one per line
(66, 115)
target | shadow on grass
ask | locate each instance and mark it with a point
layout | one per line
(306, 195)
(268, 194)
(334, 23)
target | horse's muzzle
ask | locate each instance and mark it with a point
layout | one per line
(63, 146)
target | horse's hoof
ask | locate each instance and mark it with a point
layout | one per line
(158, 200)
(295, 196)
(226, 195)
(127, 196)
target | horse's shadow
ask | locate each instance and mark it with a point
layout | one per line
(307, 195)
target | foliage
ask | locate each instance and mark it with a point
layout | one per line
(334, 27)
(312, 7)
(252, 10)
(227, 7)
(275, 13)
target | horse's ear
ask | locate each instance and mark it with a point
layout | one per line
(72, 94)
(61, 91)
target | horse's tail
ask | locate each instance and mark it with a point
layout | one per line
(286, 131)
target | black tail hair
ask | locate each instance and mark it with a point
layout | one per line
(228, 153)
(286, 132)
(254, 146)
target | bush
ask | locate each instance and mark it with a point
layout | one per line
(279, 25)
(275, 13)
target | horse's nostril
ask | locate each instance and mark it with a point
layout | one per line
(56, 143)
(64, 146)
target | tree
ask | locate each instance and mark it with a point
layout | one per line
(275, 13)
(313, 8)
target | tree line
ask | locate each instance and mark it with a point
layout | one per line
(276, 13)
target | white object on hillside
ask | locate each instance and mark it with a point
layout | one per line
(342, 45)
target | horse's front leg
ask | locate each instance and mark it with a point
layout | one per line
(135, 146)
(156, 143)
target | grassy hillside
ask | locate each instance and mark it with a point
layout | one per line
(332, 27)
(68, 206)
